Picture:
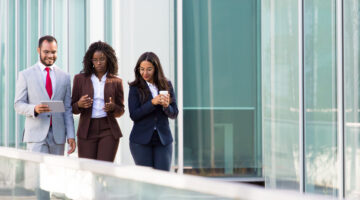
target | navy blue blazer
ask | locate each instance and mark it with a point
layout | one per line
(146, 117)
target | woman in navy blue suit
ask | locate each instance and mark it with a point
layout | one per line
(150, 138)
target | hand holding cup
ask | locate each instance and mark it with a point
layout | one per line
(165, 98)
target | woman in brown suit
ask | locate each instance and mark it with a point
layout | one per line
(98, 96)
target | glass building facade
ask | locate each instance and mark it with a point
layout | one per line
(267, 89)
(221, 70)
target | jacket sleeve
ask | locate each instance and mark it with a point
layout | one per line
(69, 120)
(136, 109)
(119, 100)
(75, 96)
(172, 110)
(21, 102)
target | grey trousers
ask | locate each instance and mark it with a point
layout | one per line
(49, 146)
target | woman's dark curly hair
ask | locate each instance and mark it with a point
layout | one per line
(159, 79)
(108, 51)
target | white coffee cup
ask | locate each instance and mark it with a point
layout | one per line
(164, 92)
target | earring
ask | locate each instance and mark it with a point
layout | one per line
(93, 66)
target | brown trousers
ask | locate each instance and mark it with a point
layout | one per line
(100, 143)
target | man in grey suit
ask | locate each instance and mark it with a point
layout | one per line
(44, 131)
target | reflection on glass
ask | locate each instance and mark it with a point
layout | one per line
(29, 180)
(221, 136)
(34, 28)
(46, 17)
(2, 71)
(20, 53)
(60, 33)
(280, 93)
(108, 22)
(351, 97)
(77, 36)
(320, 97)
(22, 60)
(8, 72)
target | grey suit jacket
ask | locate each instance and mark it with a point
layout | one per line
(30, 90)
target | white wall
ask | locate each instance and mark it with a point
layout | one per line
(95, 21)
(140, 26)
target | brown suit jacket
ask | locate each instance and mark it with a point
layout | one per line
(113, 88)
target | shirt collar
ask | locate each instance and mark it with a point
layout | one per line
(42, 67)
(103, 78)
(150, 84)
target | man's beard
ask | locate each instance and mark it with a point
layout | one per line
(44, 63)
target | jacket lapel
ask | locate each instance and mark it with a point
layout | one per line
(58, 82)
(107, 89)
(89, 87)
(148, 88)
(40, 81)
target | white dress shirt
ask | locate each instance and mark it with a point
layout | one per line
(154, 92)
(153, 89)
(52, 75)
(98, 101)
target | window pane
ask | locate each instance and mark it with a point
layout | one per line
(46, 17)
(280, 93)
(351, 96)
(34, 24)
(22, 61)
(60, 33)
(108, 22)
(77, 38)
(2, 70)
(10, 76)
(220, 88)
(320, 97)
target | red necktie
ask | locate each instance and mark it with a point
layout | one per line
(48, 86)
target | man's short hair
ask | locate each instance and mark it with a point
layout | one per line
(48, 38)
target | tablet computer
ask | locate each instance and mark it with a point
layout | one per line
(55, 106)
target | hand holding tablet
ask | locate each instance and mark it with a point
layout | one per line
(55, 106)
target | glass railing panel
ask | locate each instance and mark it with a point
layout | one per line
(28, 175)
(31, 180)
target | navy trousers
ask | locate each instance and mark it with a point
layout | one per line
(154, 154)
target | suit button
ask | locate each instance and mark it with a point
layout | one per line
(48, 115)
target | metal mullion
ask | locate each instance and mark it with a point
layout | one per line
(53, 17)
(39, 18)
(28, 31)
(116, 37)
(258, 125)
(6, 134)
(105, 24)
(16, 64)
(301, 96)
(340, 97)
(1, 58)
(86, 22)
(180, 120)
(211, 85)
(68, 35)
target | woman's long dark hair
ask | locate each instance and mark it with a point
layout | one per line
(108, 51)
(159, 79)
